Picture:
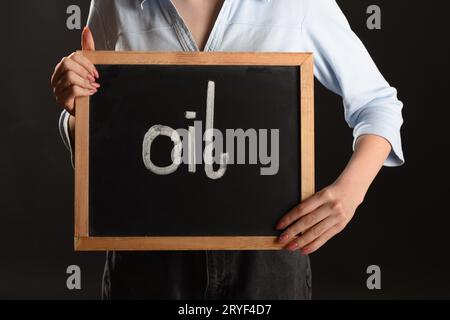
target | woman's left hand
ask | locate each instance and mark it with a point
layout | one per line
(319, 218)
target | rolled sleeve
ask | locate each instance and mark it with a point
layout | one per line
(383, 118)
(343, 65)
(65, 134)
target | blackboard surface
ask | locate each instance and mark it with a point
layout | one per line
(126, 199)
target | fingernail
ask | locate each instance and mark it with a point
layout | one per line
(95, 85)
(92, 91)
(90, 78)
(305, 251)
(283, 237)
(279, 226)
(97, 75)
(293, 246)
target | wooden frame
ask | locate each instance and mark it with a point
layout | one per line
(83, 242)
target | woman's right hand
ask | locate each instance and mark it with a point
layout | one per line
(75, 76)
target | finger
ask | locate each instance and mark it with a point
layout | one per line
(68, 64)
(304, 223)
(320, 241)
(85, 62)
(313, 233)
(66, 98)
(87, 40)
(308, 205)
(71, 78)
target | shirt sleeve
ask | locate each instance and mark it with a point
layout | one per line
(343, 65)
(97, 25)
(64, 133)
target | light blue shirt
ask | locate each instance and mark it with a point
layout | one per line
(342, 64)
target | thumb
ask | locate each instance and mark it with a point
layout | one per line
(87, 40)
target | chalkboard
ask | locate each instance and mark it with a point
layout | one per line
(192, 150)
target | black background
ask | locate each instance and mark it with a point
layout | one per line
(402, 225)
(127, 200)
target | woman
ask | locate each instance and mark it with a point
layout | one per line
(341, 63)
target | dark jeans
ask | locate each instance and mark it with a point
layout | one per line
(207, 275)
